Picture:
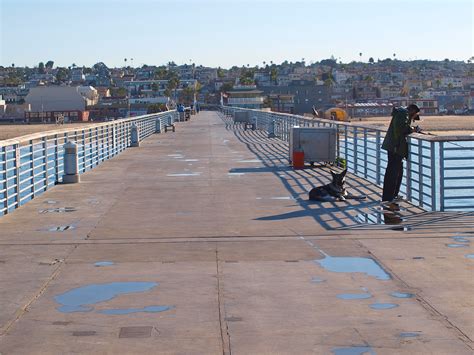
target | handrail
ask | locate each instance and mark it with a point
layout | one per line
(31, 164)
(438, 174)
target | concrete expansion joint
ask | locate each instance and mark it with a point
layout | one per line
(24, 309)
(426, 304)
(224, 328)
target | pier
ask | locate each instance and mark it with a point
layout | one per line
(203, 242)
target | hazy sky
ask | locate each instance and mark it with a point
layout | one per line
(231, 32)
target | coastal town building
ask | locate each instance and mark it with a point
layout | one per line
(244, 96)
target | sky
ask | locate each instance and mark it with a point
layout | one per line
(231, 32)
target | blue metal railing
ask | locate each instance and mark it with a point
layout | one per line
(439, 173)
(31, 164)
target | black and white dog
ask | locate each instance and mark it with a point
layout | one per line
(334, 191)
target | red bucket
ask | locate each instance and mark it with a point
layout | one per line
(298, 159)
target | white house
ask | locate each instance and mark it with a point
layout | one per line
(60, 98)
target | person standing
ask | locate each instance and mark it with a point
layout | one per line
(396, 145)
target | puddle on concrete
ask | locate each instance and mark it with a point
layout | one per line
(249, 161)
(176, 155)
(148, 309)
(379, 218)
(469, 256)
(354, 350)
(61, 228)
(455, 245)
(189, 160)
(58, 210)
(383, 305)
(402, 295)
(461, 240)
(317, 280)
(104, 263)
(78, 299)
(350, 264)
(354, 296)
(410, 334)
(184, 174)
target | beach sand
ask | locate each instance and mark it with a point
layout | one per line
(8, 131)
(437, 125)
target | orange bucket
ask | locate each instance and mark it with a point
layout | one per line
(298, 159)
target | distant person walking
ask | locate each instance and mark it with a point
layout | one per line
(396, 145)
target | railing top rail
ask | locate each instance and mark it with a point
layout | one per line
(420, 136)
(39, 135)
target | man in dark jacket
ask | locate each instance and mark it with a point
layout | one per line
(396, 145)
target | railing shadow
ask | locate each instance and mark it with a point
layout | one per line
(337, 215)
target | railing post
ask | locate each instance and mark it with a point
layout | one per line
(408, 172)
(5, 179)
(157, 125)
(420, 173)
(378, 169)
(346, 147)
(114, 138)
(441, 177)
(434, 185)
(45, 152)
(355, 150)
(365, 153)
(17, 171)
(271, 129)
(134, 136)
(71, 164)
(56, 158)
(32, 152)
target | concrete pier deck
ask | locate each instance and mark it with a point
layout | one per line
(235, 258)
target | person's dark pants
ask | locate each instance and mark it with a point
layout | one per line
(393, 177)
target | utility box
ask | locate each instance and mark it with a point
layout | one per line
(242, 117)
(317, 143)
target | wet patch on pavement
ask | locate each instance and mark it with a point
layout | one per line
(410, 334)
(402, 295)
(455, 245)
(103, 263)
(350, 264)
(354, 350)
(183, 174)
(317, 280)
(383, 305)
(79, 299)
(354, 296)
